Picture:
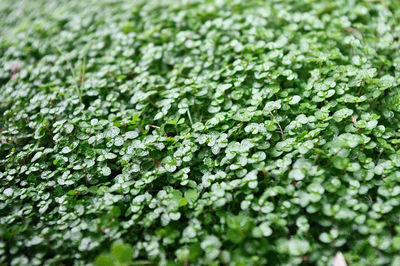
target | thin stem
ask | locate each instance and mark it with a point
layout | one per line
(190, 117)
(280, 128)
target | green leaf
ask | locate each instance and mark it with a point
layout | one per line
(396, 242)
(342, 113)
(234, 236)
(104, 260)
(106, 171)
(36, 156)
(123, 253)
(340, 162)
(191, 195)
(298, 247)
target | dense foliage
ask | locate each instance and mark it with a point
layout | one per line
(199, 132)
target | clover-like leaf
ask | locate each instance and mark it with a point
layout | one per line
(122, 252)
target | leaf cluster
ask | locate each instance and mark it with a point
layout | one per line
(199, 132)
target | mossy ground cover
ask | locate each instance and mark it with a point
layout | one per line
(199, 132)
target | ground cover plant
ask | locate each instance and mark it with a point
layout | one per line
(199, 132)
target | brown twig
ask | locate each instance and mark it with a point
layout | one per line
(153, 126)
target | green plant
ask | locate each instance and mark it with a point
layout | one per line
(199, 132)
(120, 255)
